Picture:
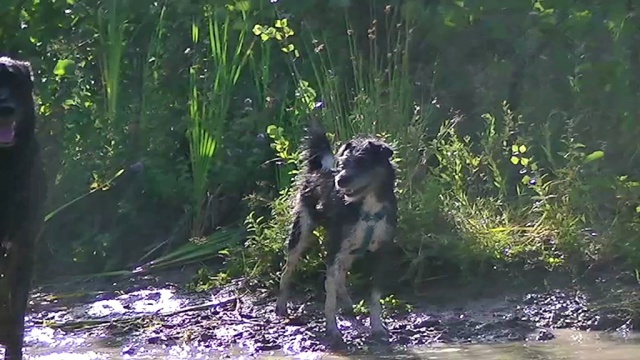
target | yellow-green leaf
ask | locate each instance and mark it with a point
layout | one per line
(596, 155)
(64, 67)
(243, 5)
(515, 160)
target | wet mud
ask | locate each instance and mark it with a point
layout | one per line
(153, 311)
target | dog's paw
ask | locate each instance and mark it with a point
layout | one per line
(281, 308)
(380, 333)
(336, 342)
(347, 308)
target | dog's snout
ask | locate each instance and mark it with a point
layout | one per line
(7, 110)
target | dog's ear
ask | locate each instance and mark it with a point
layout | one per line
(25, 69)
(345, 147)
(383, 150)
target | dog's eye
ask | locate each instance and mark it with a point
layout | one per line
(360, 162)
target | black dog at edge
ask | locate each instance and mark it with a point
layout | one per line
(356, 204)
(22, 194)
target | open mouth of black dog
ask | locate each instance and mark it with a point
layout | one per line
(7, 124)
(7, 133)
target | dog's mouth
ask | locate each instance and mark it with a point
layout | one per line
(8, 114)
(7, 133)
(354, 192)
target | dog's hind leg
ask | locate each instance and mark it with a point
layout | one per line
(300, 238)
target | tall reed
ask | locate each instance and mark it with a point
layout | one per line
(213, 77)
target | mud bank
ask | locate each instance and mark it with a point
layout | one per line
(153, 311)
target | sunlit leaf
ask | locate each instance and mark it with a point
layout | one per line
(243, 5)
(596, 155)
(64, 67)
(515, 160)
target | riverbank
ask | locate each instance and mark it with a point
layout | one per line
(147, 311)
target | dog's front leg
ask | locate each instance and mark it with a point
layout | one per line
(345, 299)
(334, 283)
(380, 271)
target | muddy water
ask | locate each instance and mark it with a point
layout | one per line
(568, 345)
(153, 318)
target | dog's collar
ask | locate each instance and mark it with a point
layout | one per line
(371, 220)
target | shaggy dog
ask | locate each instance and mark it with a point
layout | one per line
(356, 204)
(22, 193)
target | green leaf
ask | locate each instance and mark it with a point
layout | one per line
(522, 149)
(257, 29)
(272, 130)
(514, 148)
(64, 67)
(524, 161)
(243, 6)
(515, 160)
(596, 155)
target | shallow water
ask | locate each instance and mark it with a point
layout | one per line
(568, 345)
(149, 318)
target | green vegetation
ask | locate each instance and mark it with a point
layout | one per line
(515, 123)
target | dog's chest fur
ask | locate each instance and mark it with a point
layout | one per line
(372, 228)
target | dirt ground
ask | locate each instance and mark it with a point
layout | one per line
(156, 310)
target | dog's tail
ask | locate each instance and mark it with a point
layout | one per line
(318, 154)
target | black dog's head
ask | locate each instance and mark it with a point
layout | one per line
(363, 165)
(16, 100)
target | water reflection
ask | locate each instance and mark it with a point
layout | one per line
(568, 345)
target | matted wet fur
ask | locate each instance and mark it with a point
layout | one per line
(356, 204)
(22, 193)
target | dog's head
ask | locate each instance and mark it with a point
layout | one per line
(16, 99)
(363, 165)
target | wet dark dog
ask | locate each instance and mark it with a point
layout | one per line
(22, 194)
(356, 204)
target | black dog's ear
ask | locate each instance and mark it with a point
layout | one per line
(25, 69)
(345, 147)
(383, 149)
